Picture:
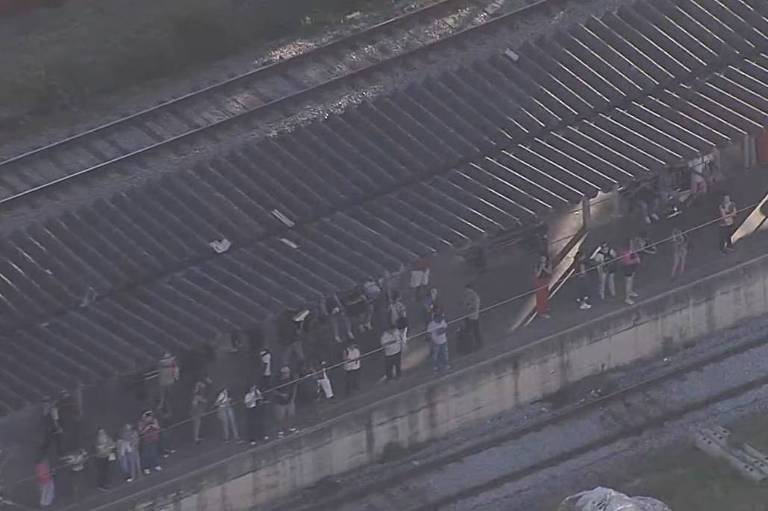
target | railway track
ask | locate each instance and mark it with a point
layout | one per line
(239, 103)
(622, 414)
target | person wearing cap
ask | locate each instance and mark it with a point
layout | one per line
(226, 415)
(149, 433)
(284, 399)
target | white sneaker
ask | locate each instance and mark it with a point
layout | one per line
(158, 468)
(146, 471)
(633, 294)
(129, 480)
(629, 301)
(585, 306)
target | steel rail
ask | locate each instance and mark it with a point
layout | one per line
(281, 101)
(557, 417)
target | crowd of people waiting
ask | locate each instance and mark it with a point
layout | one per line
(268, 405)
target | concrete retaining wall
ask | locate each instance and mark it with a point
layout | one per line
(441, 406)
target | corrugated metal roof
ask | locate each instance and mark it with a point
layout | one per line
(471, 153)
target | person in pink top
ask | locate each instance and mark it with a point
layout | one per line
(44, 482)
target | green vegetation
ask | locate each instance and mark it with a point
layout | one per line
(691, 480)
(62, 57)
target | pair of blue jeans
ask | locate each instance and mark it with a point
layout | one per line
(150, 455)
(440, 356)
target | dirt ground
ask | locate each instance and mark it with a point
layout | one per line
(63, 59)
(688, 479)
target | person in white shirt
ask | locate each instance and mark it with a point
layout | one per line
(392, 342)
(266, 369)
(352, 368)
(438, 336)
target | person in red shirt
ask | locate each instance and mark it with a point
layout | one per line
(149, 433)
(44, 482)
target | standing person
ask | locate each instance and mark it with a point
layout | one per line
(372, 292)
(334, 310)
(254, 409)
(323, 381)
(392, 343)
(44, 482)
(727, 210)
(52, 430)
(679, 252)
(647, 197)
(266, 368)
(582, 279)
(70, 414)
(472, 318)
(398, 313)
(606, 261)
(285, 402)
(542, 275)
(429, 305)
(630, 261)
(226, 415)
(352, 368)
(76, 463)
(105, 453)
(167, 375)
(128, 453)
(165, 419)
(438, 336)
(698, 179)
(197, 409)
(420, 277)
(149, 434)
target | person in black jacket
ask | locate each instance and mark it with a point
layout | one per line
(284, 397)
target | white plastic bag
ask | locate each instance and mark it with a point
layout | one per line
(605, 499)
